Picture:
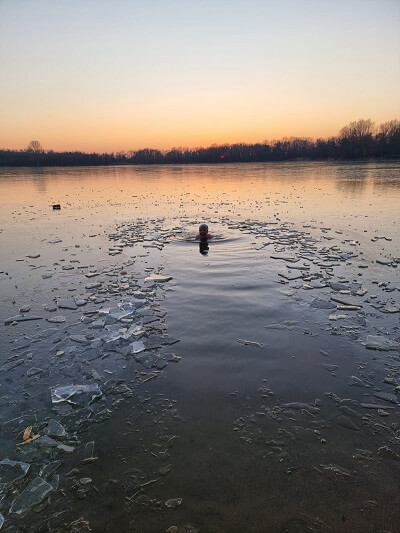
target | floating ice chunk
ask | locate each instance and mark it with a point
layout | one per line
(55, 429)
(345, 422)
(34, 371)
(392, 398)
(290, 276)
(12, 364)
(379, 342)
(48, 469)
(56, 319)
(332, 471)
(25, 309)
(337, 317)
(81, 339)
(350, 412)
(338, 286)
(65, 448)
(159, 278)
(99, 323)
(382, 413)
(11, 471)
(45, 334)
(46, 443)
(152, 237)
(329, 367)
(137, 347)
(92, 274)
(75, 394)
(134, 331)
(286, 324)
(22, 318)
(113, 342)
(116, 314)
(65, 303)
(173, 503)
(174, 358)
(385, 451)
(320, 303)
(298, 267)
(2, 519)
(93, 286)
(301, 405)
(375, 406)
(289, 258)
(357, 382)
(391, 308)
(245, 342)
(346, 301)
(30, 496)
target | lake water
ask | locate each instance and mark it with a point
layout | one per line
(257, 390)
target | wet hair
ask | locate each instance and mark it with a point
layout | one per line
(203, 227)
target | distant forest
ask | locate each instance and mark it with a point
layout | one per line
(359, 139)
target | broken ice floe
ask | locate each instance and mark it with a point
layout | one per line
(22, 318)
(11, 471)
(30, 496)
(379, 342)
(66, 303)
(75, 394)
(55, 429)
(252, 344)
(159, 278)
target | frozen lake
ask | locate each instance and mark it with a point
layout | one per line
(256, 390)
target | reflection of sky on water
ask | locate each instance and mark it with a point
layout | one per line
(40, 179)
(337, 194)
(222, 185)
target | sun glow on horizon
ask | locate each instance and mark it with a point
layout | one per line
(90, 78)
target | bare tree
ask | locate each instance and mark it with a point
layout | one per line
(357, 137)
(35, 147)
(388, 138)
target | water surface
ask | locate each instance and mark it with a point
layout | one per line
(260, 425)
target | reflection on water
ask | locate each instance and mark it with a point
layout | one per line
(39, 179)
(218, 238)
(203, 247)
(257, 417)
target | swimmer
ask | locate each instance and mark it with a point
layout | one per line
(203, 234)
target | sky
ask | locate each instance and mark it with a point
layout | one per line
(117, 75)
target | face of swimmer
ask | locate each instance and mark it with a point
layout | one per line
(203, 231)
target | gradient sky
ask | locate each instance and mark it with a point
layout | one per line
(109, 75)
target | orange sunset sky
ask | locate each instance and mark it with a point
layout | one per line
(110, 75)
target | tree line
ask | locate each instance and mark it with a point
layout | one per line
(359, 139)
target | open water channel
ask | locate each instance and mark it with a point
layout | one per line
(148, 387)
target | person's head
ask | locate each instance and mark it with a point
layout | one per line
(203, 231)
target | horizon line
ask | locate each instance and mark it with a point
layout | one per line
(372, 127)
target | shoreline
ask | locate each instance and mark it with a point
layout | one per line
(212, 163)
